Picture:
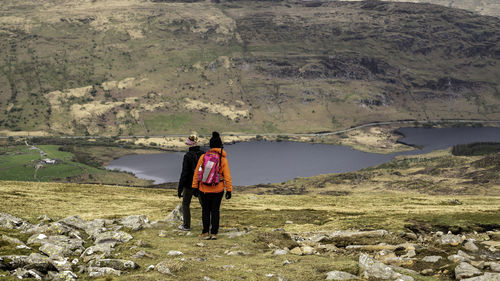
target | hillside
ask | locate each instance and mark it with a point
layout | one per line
(483, 7)
(130, 67)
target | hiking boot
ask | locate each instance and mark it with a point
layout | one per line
(204, 236)
(213, 236)
(181, 227)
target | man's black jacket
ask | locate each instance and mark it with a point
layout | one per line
(188, 165)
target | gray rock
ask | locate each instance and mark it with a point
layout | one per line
(458, 258)
(63, 264)
(427, 272)
(279, 252)
(410, 236)
(488, 276)
(450, 239)
(141, 254)
(307, 250)
(470, 246)
(62, 276)
(432, 259)
(162, 267)
(12, 222)
(135, 222)
(12, 240)
(465, 270)
(163, 233)
(55, 251)
(117, 264)
(44, 218)
(113, 236)
(54, 228)
(206, 278)
(296, 251)
(90, 227)
(175, 253)
(39, 262)
(11, 262)
(342, 235)
(340, 275)
(374, 269)
(22, 273)
(175, 215)
(104, 248)
(103, 271)
(495, 266)
(236, 253)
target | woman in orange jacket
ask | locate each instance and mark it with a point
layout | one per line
(211, 194)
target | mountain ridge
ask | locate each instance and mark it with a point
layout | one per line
(143, 68)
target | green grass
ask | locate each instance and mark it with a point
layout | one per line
(18, 163)
(168, 123)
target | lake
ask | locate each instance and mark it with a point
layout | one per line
(267, 162)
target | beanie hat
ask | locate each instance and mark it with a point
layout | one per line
(192, 140)
(215, 140)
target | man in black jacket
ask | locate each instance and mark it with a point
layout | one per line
(185, 190)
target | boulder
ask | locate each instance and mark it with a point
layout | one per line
(117, 264)
(12, 240)
(12, 222)
(307, 250)
(470, 246)
(175, 215)
(11, 262)
(112, 236)
(458, 258)
(488, 276)
(495, 266)
(236, 253)
(347, 235)
(450, 239)
(55, 251)
(374, 269)
(340, 275)
(296, 251)
(280, 252)
(465, 270)
(22, 273)
(63, 264)
(54, 228)
(103, 271)
(39, 262)
(135, 222)
(62, 276)
(162, 267)
(432, 259)
(103, 248)
(90, 227)
(175, 253)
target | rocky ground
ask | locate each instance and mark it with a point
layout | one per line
(73, 248)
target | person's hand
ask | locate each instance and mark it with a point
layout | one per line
(228, 195)
(196, 192)
(179, 193)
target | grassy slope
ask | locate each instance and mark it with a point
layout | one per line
(18, 163)
(260, 213)
(294, 67)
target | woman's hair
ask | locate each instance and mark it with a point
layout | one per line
(215, 140)
(192, 139)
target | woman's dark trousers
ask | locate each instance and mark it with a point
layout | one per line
(186, 211)
(210, 206)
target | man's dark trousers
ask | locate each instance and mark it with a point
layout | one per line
(186, 211)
